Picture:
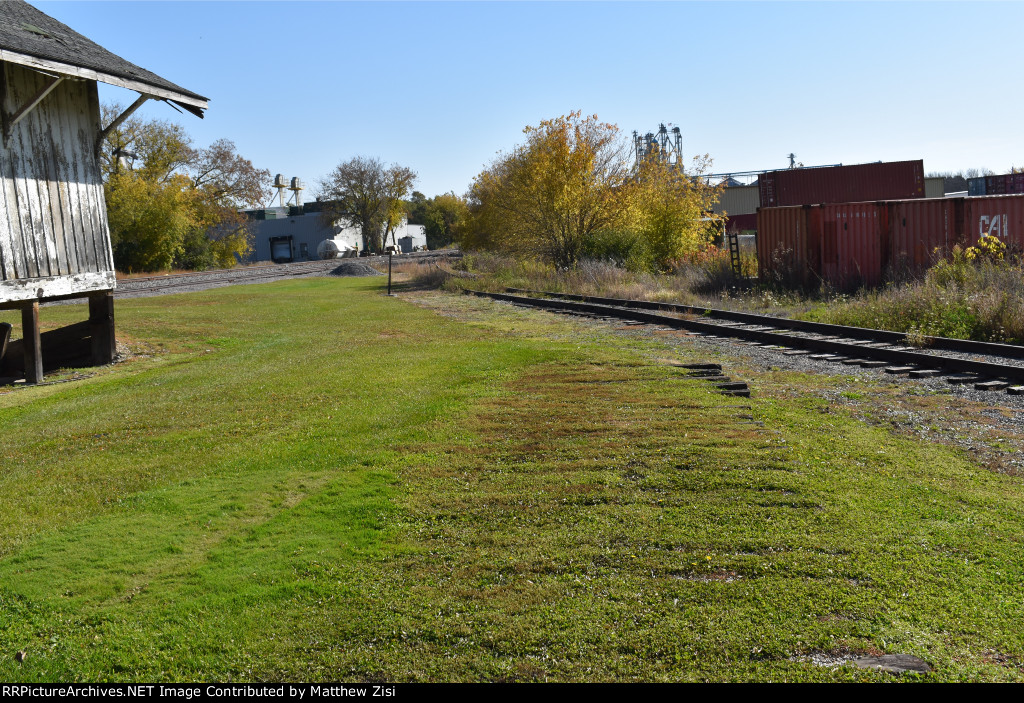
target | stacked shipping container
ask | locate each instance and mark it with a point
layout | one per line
(852, 241)
(921, 232)
(832, 184)
(852, 244)
(842, 184)
(1007, 184)
(791, 252)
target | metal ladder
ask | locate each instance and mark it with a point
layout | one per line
(734, 252)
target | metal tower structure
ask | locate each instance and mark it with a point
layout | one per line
(666, 146)
(296, 187)
(282, 185)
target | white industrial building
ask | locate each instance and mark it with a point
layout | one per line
(298, 233)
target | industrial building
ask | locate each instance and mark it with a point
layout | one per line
(297, 233)
(293, 231)
(54, 240)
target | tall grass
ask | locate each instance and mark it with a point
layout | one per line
(696, 281)
(979, 299)
(971, 296)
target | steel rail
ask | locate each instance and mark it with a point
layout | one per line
(969, 346)
(242, 272)
(853, 349)
(208, 272)
(200, 280)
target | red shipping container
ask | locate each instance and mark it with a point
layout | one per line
(787, 244)
(895, 180)
(741, 223)
(853, 242)
(999, 216)
(921, 232)
(995, 185)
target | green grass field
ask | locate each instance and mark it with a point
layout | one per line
(309, 480)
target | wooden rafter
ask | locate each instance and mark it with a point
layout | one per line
(9, 120)
(119, 119)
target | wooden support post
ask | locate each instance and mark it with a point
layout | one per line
(31, 342)
(101, 327)
(5, 337)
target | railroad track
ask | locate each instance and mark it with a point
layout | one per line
(128, 286)
(956, 360)
(222, 276)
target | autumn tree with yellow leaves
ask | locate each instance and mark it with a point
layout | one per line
(573, 181)
(671, 212)
(171, 205)
(553, 192)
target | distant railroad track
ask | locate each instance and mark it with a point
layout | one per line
(985, 365)
(222, 277)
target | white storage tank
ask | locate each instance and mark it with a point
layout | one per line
(331, 249)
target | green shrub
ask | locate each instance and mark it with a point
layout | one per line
(614, 246)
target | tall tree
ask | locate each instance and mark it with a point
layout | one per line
(369, 195)
(227, 178)
(571, 185)
(397, 184)
(553, 192)
(670, 211)
(446, 215)
(150, 221)
(153, 149)
(416, 208)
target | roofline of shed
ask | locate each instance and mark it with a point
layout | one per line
(185, 100)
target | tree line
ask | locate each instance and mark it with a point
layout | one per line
(172, 205)
(569, 191)
(377, 197)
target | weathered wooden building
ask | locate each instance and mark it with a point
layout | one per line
(54, 239)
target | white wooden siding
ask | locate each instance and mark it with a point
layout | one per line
(55, 286)
(54, 224)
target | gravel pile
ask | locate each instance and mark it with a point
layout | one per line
(354, 268)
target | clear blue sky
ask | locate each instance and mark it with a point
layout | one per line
(442, 87)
